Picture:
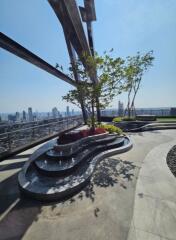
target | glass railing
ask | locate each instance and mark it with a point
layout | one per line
(14, 140)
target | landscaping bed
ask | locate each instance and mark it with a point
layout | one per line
(74, 136)
(77, 135)
(171, 160)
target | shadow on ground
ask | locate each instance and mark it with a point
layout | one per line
(12, 166)
(19, 213)
(19, 156)
(107, 174)
(23, 212)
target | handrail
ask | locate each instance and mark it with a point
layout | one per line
(24, 138)
(23, 129)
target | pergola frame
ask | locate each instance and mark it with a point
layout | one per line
(68, 14)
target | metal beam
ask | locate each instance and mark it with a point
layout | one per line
(72, 55)
(88, 13)
(68, 14)
(15, 48)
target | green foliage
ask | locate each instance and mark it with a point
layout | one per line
(89, 122)
(117, 119)
(111, 128)
(104, 78)
(133, 72)
(128, 119)
(108, 72)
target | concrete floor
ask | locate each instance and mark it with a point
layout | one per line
(131, 196)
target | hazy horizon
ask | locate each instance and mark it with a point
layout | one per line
(79, 110)
(127, 26)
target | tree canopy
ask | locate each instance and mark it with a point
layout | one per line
(114, 76)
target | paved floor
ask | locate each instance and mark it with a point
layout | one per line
(154, 216)
(131, 196)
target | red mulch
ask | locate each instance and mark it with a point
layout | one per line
(71, 137)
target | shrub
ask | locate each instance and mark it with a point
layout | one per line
(117, 119)
(129, 119)
(112, 129)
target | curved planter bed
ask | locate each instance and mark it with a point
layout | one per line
(49, 178)
(142, 126)
(171, 160)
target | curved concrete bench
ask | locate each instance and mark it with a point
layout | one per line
(58, 167)
(75, 144)
(43, 188)
(87, 141)
(154, 126)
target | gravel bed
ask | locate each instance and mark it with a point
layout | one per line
(171, 160)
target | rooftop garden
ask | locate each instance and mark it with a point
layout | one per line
(114, 75)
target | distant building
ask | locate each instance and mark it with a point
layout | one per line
(17, 116)
(24, 118)
(67, 111)
(173, 111)
(120, 109)
(36, 115)
(11, 118)
(55, 113)
(59, 114)
(73, 113)
(30, 114)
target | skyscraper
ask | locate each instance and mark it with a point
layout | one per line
(24, 116)
(17, 116)
(30, 115)
(67, 111)
(55, 112)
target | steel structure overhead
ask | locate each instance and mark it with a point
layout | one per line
(72, 55)
(15, 48)
(68, 14)
(88, 13)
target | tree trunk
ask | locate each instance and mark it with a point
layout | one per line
(134, 97)
(93, 117)
(98, 110)
(128, 105)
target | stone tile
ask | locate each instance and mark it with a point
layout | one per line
(136, 234)
(144, 213)
(142, 235)
(132, 233)
(160, 189)
(166, 220)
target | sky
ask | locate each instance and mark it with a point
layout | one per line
(128, 26)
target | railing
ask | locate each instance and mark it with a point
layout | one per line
(22, 138)
(139, 111)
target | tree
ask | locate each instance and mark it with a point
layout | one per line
(135, 67)
(110, 81)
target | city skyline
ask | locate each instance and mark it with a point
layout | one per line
(148, 21)
(28, 115)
